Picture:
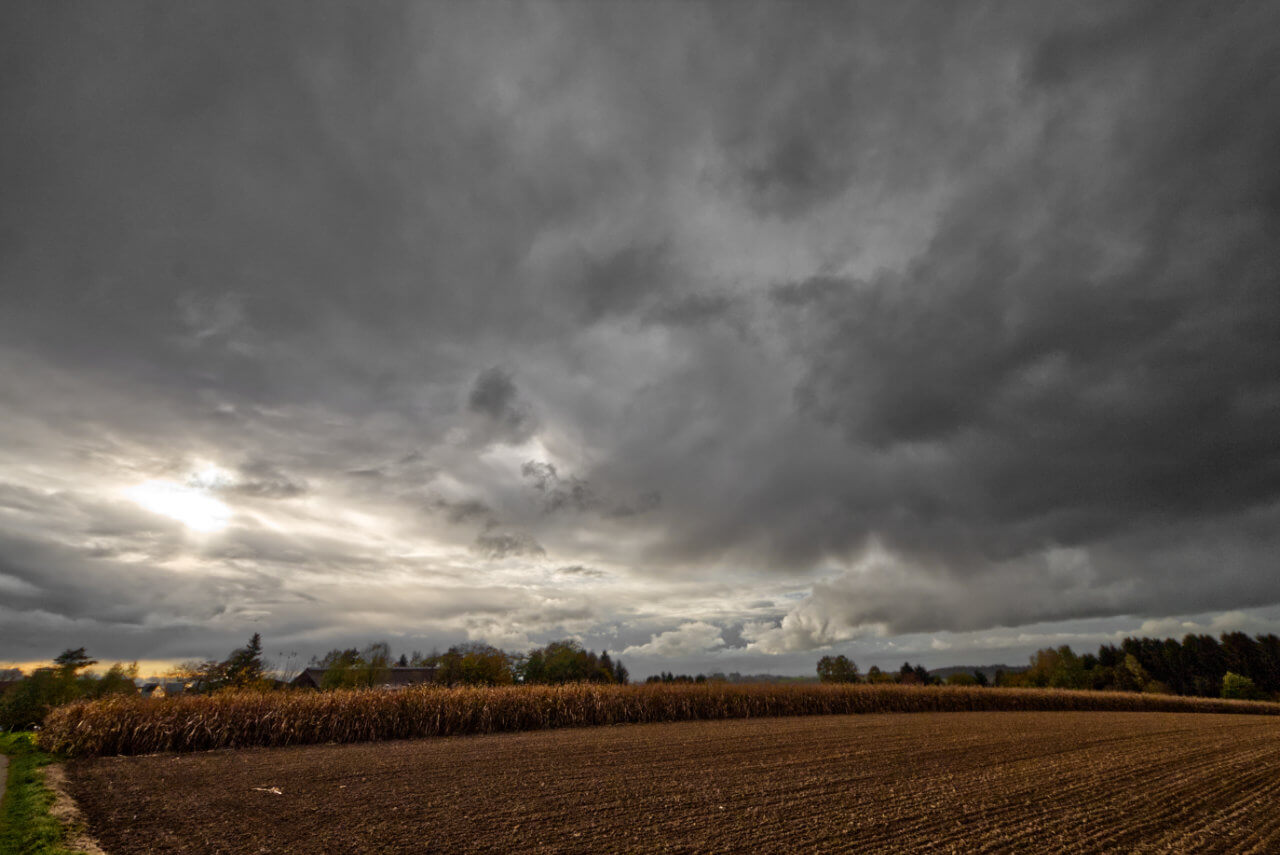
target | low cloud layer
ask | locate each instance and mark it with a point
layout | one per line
(690, 640)
(696, 333)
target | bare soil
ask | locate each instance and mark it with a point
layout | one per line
(937, 782)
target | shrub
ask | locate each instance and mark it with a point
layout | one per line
(1240, 687)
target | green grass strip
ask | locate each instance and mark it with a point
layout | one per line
(26, 828)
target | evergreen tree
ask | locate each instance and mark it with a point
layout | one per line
(244, 667)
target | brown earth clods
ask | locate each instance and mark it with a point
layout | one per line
(936, 782)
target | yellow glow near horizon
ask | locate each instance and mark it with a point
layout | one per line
(191, 506)
(146, 667)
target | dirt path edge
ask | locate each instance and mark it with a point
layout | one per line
(66, 811)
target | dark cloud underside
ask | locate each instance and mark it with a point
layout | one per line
(638, 322)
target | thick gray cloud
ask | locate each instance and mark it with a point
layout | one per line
(496, 401)
(676, 328)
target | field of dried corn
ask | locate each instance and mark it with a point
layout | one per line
(931, 782)
(131, 725)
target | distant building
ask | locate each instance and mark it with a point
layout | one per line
(162, 688)
(396, 677)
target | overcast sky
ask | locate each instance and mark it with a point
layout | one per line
(720, 335)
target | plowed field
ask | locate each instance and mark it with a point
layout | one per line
(937, 782)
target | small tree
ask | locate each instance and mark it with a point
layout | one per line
(119, 680)
(604, 673)
(377, 664)
(243, 668)
(875, 675)
(200, 676)
(341, 668)
(837, 669)
(1130, 676)
(1239, 687)
(474, 664)
(73, 660)
(533, 669)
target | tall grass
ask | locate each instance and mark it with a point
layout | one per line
(131, 725)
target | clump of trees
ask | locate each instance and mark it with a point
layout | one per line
(566, 662)
(475, 664)
(669, 677)
(242, 669)
(1232, 666)
(24, 705)
(841, 669)
(353, 668)
(838, 669)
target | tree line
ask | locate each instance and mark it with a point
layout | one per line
(842, 669)
(24, 704)
(474, 664)
(1234, 665)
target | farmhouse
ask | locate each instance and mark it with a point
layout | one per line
(396, 677)
(162, 688)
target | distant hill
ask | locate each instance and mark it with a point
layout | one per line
(988, 670)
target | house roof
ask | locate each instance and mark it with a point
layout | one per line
(395, 676)
(308, 675)
(406, 676)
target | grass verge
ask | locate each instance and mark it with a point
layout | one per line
(26, 826)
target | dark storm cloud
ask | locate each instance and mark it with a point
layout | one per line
(957, 317)
(558, 493)
(462, 511)
(694, 310)
(623, 280)
(643, 503)
(495, 398)
(579, 570)
(1103, 368)
(1085, 355)
(501, 544)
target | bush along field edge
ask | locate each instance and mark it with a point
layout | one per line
(239, 719)
(36, 818)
